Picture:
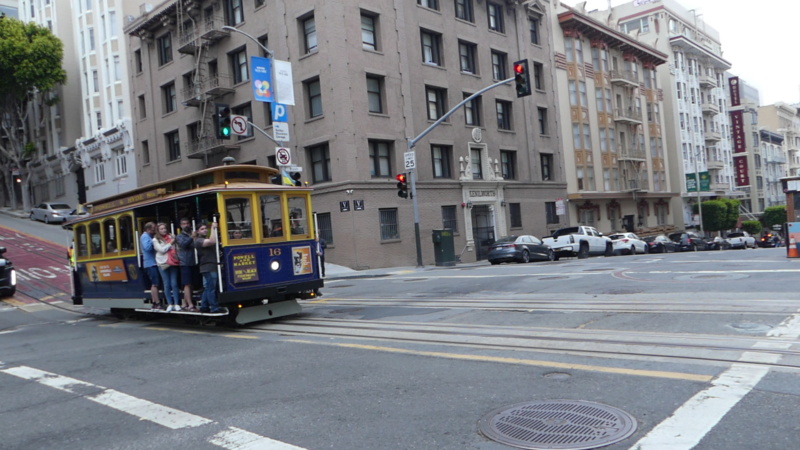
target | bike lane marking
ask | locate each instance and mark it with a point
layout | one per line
(40, 277)
(231, 438)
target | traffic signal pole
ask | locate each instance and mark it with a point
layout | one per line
(413, 174)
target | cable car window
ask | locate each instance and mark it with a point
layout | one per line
(95, 240)
(80, 237)
(298, 216)
(126, 234)
(110, 228)
(239, 219)
(271, 224)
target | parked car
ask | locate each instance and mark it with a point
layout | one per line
(523, 248)
(660, 244)
(77, 213)
(8, 276)
(688, 241)
(718, 243)
(51, 212)
(628, 244)
(741, 239)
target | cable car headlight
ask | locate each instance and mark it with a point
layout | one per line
(13, 277)
(275, 265)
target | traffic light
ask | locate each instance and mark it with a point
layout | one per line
(223, 122)
(296, 179)
(402, 185)
(522, 78)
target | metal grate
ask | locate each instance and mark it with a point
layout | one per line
(558, 424)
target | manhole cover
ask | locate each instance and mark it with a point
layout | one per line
(558, 424)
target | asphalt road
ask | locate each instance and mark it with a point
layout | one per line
(700, 349)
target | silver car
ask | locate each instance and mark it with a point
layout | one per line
(51, 212)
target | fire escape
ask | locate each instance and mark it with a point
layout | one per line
(198, 32)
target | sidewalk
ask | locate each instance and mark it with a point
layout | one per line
(14, 212)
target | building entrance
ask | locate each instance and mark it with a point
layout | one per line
(482, 230)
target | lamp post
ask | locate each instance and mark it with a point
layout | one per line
(267, 51)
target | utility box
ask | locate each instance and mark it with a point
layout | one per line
(443, 247)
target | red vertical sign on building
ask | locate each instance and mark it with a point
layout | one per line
(737, 132)
(740, 168)
(733, 86)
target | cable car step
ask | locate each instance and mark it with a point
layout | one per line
(185, 313)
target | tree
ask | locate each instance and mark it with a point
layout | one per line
(774, 215)
(715, 215)
(30, 64)
(752, 226)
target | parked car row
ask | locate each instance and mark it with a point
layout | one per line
(48, 212)
(526, 248)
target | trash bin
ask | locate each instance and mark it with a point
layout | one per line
(443, 247)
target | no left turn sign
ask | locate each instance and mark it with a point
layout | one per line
(283, 156)
(239, 125)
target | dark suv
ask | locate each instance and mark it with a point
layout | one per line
(8, 276)
(688, 241)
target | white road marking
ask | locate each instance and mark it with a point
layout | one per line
(695, 418)
(231, 438)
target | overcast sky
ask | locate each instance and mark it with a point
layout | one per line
(759, 39)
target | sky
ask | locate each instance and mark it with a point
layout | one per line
(759, 39)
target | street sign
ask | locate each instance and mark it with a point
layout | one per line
(261, 74)
(280, 131)
(279, 112)
(410, 160)
(293, 168)
(283, 156)
(239, 125)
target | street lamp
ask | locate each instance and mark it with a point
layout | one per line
(267, 51)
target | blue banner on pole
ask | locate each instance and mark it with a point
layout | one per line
(261, 74)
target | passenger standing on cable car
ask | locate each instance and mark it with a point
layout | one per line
(162, 243)
(149, 263)
(185, 240)
(206, 245)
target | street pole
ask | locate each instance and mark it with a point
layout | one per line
(413, 141)
(267, 51)
(697, 185)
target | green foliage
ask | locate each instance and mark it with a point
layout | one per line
(30, 60)
(715, 215)
(774, 215)
(752, 226)
(28, 150)
(732, 217)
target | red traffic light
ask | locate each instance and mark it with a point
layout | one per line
(401, 177)
(519, 68)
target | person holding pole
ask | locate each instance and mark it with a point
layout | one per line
(206, 245)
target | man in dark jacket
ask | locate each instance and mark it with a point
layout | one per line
(188, 262)
(206, 245)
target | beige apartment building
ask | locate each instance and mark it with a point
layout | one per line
(367, 77)
(613, 128)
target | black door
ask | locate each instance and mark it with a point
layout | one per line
(482, 230)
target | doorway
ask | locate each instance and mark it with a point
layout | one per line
(482, 230)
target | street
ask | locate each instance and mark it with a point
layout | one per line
(699, 349)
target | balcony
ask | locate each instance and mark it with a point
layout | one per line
(707, 81)
(212, 29)
(624, 78)
(715, 164)
(720, 187)
(712, 136)
(627, 115)
(209, 145)
(193, 95)
(218, 85)
(625, 153)
(710, 108)
(188, 42)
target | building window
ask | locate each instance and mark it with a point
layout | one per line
(503, 115)
(464, 10)
(550, 212)
(309, 35)
(91, 39)
(96, 80)
(449, 218)
(495, 12)
(515, 215)
(547, 166)
(99, 117)
(476, 163)
(388, 220)
(320, 158)
(120, 162)
(164, 49)
(170, 98)
(234, 11)
(325, 227)
(117, 69)
(239, 66)
(375, 94)
(137, 61)
(432, 4)
(533, 23)
(260, 3)
(431, 47)
(142, 107)
(59, 185)
(369, 40)
(437, 102)
(542, 118)
(472, 111)
(380, 157)
(173, 146)
(538, 76)
(508, 164)
(99, 169)
(441, 155)
(499, 63)
(145, 153)
(466, 53)
(314, 95)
